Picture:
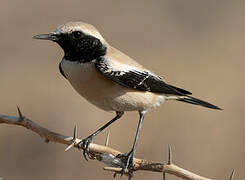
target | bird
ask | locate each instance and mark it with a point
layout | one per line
(111, 80)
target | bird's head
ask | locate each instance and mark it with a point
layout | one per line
(80, 41)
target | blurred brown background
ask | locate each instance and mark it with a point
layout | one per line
(197, 45)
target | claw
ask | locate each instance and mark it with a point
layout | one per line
(128, 160)
(85, 155)
(84, 144)
(130, 176)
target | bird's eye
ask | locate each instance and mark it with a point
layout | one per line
(77, 34)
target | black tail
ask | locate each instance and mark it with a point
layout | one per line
(192, 100)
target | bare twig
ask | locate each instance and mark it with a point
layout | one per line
(101, 153)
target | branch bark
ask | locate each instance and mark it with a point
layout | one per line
(102, 153)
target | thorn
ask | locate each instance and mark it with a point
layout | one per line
(107, 138)
(232, 174)
(113, 169)
(69, 147)
(75, 133)
(170, 155)
(164, 176)
(73, 139)
(21, 117)
(69, 138)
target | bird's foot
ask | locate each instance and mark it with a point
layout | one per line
(84, 144)
(128, 160)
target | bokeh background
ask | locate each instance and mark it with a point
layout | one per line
(197, 45)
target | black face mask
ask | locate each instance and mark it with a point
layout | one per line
(80, 47)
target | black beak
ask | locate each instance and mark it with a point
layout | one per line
(51, 37)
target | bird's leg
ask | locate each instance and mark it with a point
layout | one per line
(128, 158)
(84, 144)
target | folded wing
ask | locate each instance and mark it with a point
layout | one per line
(136, 78)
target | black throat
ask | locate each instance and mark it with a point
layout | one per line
(84, 49)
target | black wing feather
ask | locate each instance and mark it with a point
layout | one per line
(180, 90)
(136, 79)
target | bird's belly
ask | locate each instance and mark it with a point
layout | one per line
(105, 93)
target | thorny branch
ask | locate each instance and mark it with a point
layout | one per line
(104, 154)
